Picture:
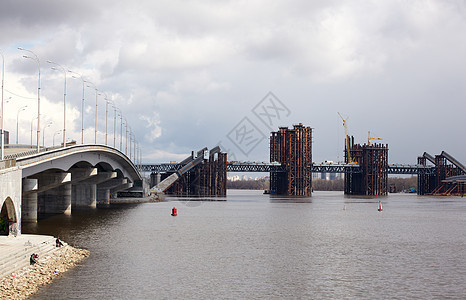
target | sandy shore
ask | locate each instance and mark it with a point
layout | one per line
(27, 281)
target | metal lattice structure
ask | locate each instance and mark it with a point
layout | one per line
(373, 178)
(208, 178)
(292, 148)
(258, 167)
(447, 179)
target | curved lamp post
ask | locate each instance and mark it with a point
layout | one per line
(106, 116)
(57, 132)
(17, 122)
(43, 133)
(60, 68)
(32, 123)
(121, 129)
(130, 140)
(96, 95)
(126, 138)
(82, 108)
(114, 124)
(36, 59)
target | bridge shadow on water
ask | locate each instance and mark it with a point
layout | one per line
(69, 227)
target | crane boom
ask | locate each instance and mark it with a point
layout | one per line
(369, 138)
(347, 138)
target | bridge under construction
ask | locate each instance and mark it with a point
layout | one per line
(365, 169)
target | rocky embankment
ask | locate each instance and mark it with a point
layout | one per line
(27, 281)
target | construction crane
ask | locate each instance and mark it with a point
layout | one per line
(347, 138)
(370, 138)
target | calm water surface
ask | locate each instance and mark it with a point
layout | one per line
(255, 246)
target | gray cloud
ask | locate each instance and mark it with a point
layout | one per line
(185, 72)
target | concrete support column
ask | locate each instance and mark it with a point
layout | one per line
(103, 196)
(84, 195)
(29, 201)
(106, 188)
(57, 200)
(54, 193)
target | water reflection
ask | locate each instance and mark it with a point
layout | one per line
(258, 246)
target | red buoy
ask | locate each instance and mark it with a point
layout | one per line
(380, 206)
(174, 211)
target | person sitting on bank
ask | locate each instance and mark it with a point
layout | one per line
(58, 242)
(33, 258)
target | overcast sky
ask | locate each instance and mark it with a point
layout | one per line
(189, 74)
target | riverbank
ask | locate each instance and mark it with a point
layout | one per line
(27, 281)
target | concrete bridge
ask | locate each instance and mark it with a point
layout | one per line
(56, 181)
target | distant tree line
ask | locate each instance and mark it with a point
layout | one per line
(396, 184)
(328, 185)
(401, 184)
(261, 184)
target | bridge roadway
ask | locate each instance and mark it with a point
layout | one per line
(275, 167)
(56, 180)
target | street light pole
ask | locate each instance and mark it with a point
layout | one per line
(36, 59)
(96, 94)
(82, 108)
(130, 139)
(114, 124)
(121, 131)
(43, 133)
(106, 118)
(17, 121)
(57, 132)
(32, 122)
(61, 68)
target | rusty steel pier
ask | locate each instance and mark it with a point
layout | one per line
(206, 176)
(365, 169)
(292, 148)
(372, 180)
(448, 178)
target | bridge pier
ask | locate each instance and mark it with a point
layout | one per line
(29, 201)
(104, 189)
(373, 162)
(155, 178)
(54, 192)
(56, 201)
(83, 192)
(84, 195)
(293, 149)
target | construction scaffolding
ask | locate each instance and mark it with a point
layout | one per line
(372, 180)
(293, 149)
(208, 178)
(448, 178)
(425, 181)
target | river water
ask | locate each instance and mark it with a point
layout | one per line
(255, 246)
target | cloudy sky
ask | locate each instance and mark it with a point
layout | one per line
(189, 74)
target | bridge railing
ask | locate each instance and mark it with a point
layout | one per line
(20, 154)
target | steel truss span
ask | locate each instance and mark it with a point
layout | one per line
(316, 168)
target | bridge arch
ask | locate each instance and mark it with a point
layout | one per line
(7, 216)
(58, 180)
(108, 158)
